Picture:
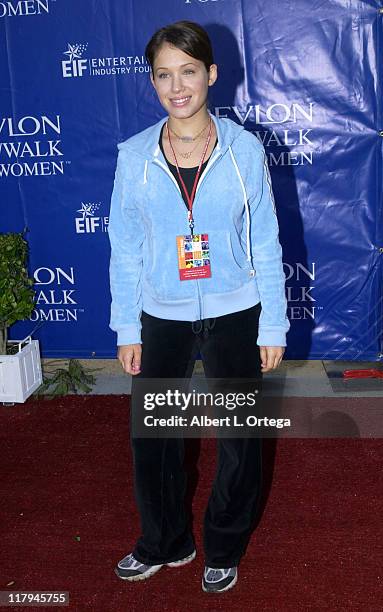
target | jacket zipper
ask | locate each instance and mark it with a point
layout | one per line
(203, 175)
(166, 169)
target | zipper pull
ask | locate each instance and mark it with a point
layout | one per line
(190, 221)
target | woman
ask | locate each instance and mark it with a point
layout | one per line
(195, 266)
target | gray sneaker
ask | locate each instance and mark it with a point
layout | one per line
(219, 580)
(183, 561)
(131, 569)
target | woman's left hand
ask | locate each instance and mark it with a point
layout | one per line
(271, 357)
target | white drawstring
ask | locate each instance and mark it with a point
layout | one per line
(268, 178)
(146, 171)
(247, 207)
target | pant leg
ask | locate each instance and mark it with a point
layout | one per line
(230, 350)
(159, 476)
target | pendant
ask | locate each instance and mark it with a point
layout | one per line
(186, 138)
(186, 155)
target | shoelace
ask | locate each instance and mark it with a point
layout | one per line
(214, 575)
(132, 563)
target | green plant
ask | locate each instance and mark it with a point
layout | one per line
(16, 292)
(67, 381)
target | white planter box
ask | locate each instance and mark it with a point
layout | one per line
(20, 374)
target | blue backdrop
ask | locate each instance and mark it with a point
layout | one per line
(303, 75)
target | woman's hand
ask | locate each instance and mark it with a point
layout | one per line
(129, 356)
(271, 357)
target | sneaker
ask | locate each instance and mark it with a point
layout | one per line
(131, 569)
(183, 561)
(219, 580)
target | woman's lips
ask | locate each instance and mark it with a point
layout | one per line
(179, 102)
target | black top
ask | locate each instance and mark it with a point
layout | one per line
(188, 174)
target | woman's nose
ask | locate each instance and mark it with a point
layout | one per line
(177, 84)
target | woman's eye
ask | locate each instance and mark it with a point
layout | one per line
(163, 75)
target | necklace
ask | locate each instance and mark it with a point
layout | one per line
(187, 154)
(189, 138)
(190, 197)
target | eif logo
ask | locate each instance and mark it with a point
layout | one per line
(75, 65)
(89, 224)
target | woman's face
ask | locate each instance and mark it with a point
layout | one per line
(181, 82)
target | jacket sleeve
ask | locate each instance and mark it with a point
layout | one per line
(267, 258)
(126, 236)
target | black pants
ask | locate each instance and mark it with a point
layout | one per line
(228, 348)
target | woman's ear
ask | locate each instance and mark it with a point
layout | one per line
(213, 74)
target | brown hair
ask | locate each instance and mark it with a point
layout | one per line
(187, 36)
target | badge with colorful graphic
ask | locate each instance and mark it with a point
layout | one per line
(193, 256)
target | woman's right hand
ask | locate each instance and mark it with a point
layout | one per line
(129, 356)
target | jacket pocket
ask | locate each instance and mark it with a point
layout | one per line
(161, 271)
(238, 252)
(229, 267)
(149, 256)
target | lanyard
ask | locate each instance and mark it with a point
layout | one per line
(190, 197)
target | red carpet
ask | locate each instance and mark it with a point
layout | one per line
(66, 472)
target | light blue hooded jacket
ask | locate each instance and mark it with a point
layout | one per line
(234, 205)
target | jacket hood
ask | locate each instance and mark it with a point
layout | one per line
(145, 143)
